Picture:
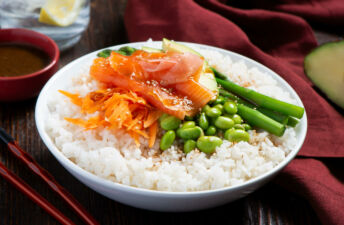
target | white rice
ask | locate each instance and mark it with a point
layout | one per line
(113, 155)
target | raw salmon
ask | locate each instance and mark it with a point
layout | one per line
(168, 81)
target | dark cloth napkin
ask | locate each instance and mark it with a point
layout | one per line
(275, 35)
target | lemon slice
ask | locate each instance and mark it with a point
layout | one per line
(60, 12)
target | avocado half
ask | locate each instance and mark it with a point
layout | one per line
(325, 68)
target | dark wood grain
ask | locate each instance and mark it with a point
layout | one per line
(268, 205)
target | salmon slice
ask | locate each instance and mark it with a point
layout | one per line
(168, 81)
(171, 69)
(159, 98)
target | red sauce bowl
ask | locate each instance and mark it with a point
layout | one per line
(29, 85)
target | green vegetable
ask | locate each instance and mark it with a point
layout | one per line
(229, 95)
(189, 133)
(189, 124)
(167, 140)
(292, 121)
(205, 108)
(258, 119)
(213, 112)
(173, 46)
(189, 145)
(105, 53)
(207, 79)
(236, 118)
(127, 50)
(239, 127)
(325, 68)
(219, 106)
(230, 107)
(247, 126)
(162, 117)
(203, 121)
(219, 100)
(262, 100)
(211, 131)
(236, 135)
(208, 144)
(224, 122)
(170, 123)
(218, 74)
(273, 115)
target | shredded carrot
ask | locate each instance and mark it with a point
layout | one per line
(73, 97)
(117, 109)
(152, 133)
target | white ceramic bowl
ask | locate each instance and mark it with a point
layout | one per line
(149, 199)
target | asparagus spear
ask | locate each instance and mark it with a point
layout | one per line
(273, 115)
(262, 100)
(292, 121)
(218, 74)
(258, 119)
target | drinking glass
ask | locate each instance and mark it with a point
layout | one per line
(25, 14)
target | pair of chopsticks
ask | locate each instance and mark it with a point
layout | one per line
(47, 178)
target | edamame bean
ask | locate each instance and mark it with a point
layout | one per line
(239, 126)
(205, 108)
(189, 133)
(219, 106)
(230, 107)
(213, 112)
(170, 123)
(167, 140)
(189, 124)
(210, 131)
(247, 126)
(237, 119)
(236, 135)
(224, 122)
(189, 145)
(163, 116)
(208, 144)
(219, 100)
(203, 121)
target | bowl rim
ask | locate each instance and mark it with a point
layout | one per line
(86, 175)
(53, 44)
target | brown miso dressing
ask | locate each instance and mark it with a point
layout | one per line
(20, 59)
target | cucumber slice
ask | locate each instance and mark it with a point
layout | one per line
(325, 67)
(207, 78)
(173, 46)
(149, 49)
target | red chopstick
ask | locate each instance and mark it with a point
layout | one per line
(33, 195)
(49, 179)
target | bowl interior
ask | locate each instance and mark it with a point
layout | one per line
(63, 77)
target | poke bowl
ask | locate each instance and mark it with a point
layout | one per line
(149, 168)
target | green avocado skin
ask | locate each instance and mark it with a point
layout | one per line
(324, 66)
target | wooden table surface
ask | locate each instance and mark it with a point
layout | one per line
(269, 205)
